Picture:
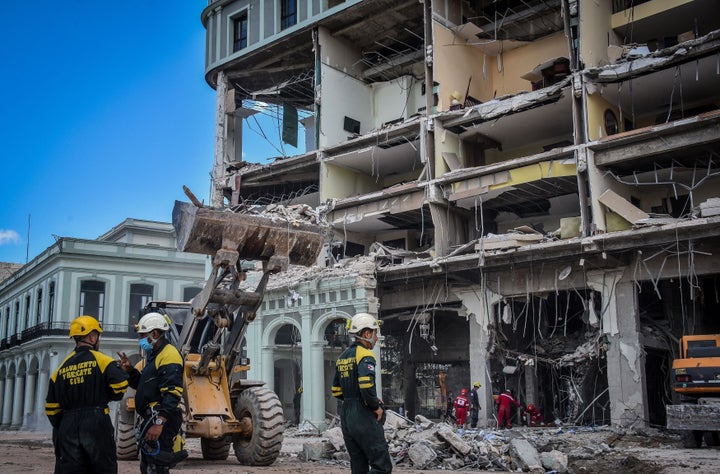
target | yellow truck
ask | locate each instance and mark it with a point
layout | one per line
(221, 406)
(696, 379)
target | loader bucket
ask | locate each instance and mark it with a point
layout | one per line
(207, 230)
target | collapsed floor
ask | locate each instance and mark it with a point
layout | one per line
(549, 346)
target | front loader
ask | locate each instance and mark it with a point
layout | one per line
(221, 406)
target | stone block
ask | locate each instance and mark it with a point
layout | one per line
(421, 454)
(447, 434)
(335, 437)
(316, 451)
(525, 455)
(554, 461)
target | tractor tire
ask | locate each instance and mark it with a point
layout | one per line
(215, 449)
(692, 439)
(262, 446)
(125, 443)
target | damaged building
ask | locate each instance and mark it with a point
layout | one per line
(523, 191)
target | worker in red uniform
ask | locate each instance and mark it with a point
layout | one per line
(532, 415)
(505, 401)
(462, 404)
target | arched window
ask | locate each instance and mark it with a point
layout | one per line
(287, 335)
(92, 298)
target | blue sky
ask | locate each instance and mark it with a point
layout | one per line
(105, 115)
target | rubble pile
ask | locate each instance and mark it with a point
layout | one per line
(359, 266)
(295, 213)
(424, 444)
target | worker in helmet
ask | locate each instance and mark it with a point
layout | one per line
(157, 400)
(505, 400)
(77, 403)
(461, 404)
(362, 413)
(474, 405)
(532, 415)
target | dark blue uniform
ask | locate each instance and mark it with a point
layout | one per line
(364, 435)
(77, 407)
(160, 387)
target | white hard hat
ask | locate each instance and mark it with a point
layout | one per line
(152, 321)
(362, 321)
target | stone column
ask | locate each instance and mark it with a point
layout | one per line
(218, 172)
(7, 402)
(627, 388)
(18, 399)
(29, 403)
(2, 399)
(310, 389)
(480, 306)
(43, 381)
(268, 366)
(316, 385)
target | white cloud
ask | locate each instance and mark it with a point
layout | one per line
(9, 237)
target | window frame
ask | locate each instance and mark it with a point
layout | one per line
(82, 304)
(288, 15)
(236, 19)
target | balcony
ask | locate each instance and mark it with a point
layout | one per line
(62, 329)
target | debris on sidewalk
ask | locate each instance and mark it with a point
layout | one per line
(424, 444)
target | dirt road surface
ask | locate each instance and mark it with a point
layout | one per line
(31, 452)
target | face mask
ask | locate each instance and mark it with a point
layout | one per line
(145, 344)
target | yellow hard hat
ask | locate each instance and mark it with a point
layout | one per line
(84, 325)
(476, 384)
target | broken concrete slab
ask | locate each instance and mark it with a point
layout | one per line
(525, 455)
(335, 437)
(446, 433)
(317, 451)
(396, 421)
(421, 454)
(554, 461)
(622, 206)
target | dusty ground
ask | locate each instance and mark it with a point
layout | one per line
(30, 452)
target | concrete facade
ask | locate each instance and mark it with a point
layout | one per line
(537, 194)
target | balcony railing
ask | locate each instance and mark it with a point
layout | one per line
(62, 329)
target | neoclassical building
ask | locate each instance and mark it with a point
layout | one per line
(301, 330)
(110, 278)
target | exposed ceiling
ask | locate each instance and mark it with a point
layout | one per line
(665, 93)
(283, 71)
(672, 21)
(381, 161)
(541, 121)
(518, 20)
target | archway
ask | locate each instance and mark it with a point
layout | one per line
(287, 369)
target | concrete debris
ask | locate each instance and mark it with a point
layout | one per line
(421, 454)
(335, 437)
(554, 461)
(710, 208)
(291, 213)
(526, 455)
(425, 444)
